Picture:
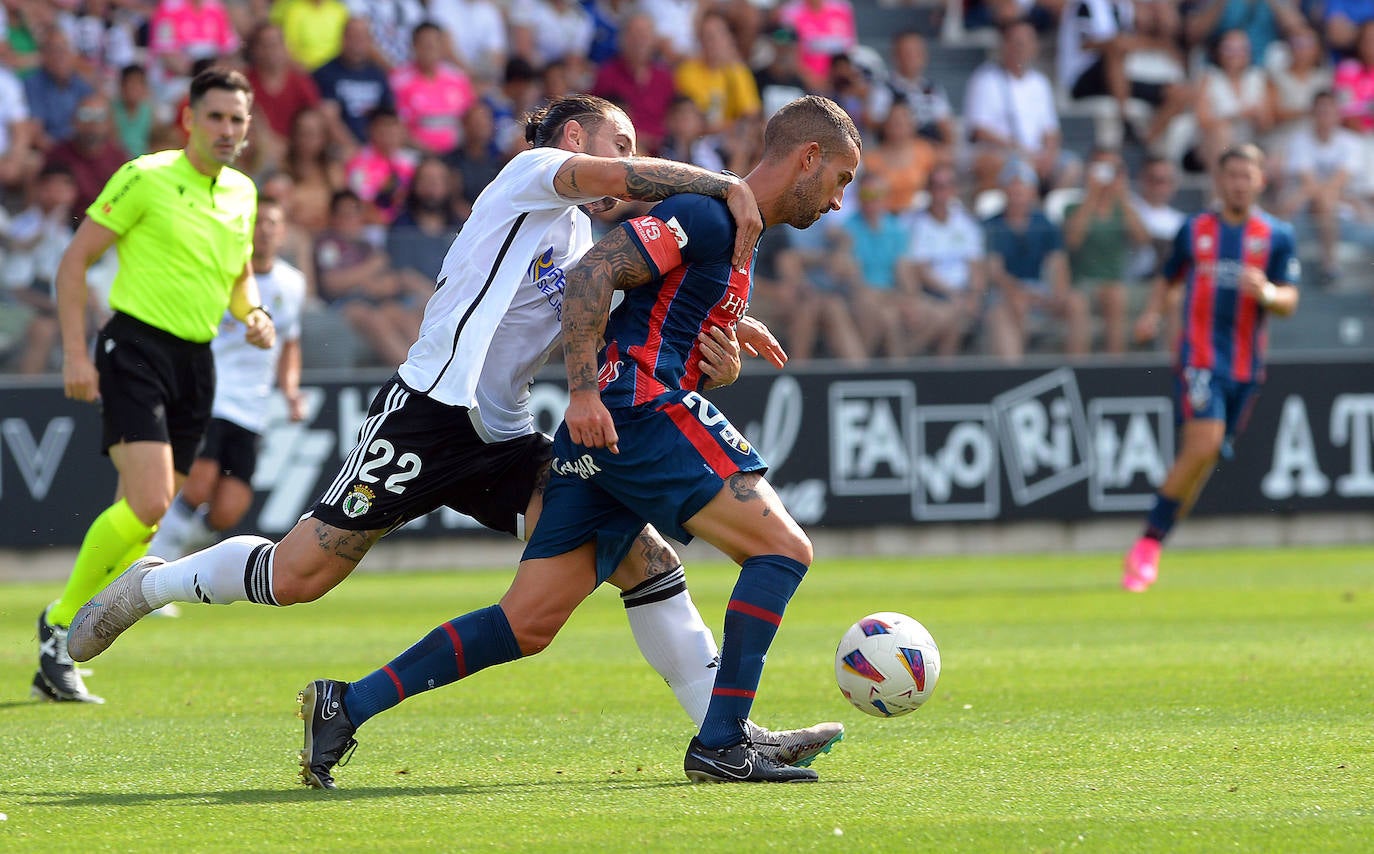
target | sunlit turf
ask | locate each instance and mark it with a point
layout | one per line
(1228, 708)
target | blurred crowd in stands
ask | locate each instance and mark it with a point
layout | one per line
(976, 227)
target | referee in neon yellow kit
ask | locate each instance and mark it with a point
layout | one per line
(182, 224)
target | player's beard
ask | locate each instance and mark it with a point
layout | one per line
(804, 202)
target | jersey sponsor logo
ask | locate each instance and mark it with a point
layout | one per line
(675, 228)
(541, 265)
(550, 280)
(609, 373)
(647, 228)
(358, 501)
(584, 467)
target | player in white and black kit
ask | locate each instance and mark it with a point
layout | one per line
(218, 490)
(452, 427)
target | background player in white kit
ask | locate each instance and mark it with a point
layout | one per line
(452, 427)
(218, 490)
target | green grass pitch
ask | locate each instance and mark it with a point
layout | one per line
(1230, 708)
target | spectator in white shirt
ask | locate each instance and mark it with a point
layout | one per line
(943, 267)
(1011, 114)
(1321, 164)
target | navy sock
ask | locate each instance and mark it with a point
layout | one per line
(765, 585)
(1162, 517)
(458, 648)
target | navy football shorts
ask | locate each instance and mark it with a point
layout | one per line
(1202, 395)
(675, 454)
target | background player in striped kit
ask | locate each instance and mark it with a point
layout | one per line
(1240, 265)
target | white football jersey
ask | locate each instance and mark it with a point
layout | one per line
(498, 310)
(244, 374)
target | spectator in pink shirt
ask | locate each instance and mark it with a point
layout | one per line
(825, 28)
(381, 171)
(183, 31)
(636, 80)
(431, 95)
(1354, 83)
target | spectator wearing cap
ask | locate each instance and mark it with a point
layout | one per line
(1029, 274)
(353, 84)
(1010, 111)
(1100, 231)
(907, 82)
(780, 81)
(825, 28)
(637, 81)
(718, 80)
(92, 154)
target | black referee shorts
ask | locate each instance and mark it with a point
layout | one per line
(154, 387)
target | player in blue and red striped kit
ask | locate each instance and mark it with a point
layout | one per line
(1240, 266)
(661, 452)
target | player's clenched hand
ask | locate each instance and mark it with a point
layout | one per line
(589, 422)
(79, 378)
(719, 355)
(748, 223)
(756, 340)
(261, 331)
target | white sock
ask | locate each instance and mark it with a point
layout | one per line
(236, 570)
(169, 542)
(674, 640)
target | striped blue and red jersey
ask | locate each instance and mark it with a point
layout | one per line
(651, 337)
(1223, 330)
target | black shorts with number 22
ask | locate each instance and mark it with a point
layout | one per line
(415, 455)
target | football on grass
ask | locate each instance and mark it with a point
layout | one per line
(887, 664)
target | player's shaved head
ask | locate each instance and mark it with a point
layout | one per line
(812, 118)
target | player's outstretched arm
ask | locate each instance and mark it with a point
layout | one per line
(613, 263)
(650, 179)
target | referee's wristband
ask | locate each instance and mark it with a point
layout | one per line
(261, 308)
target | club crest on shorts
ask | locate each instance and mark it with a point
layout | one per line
(358, 501)
(730, 436)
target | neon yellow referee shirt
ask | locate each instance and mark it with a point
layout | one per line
(183, 240)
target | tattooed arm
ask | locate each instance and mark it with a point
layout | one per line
(614, 263)
(649, 179)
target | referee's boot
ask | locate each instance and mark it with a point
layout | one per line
(57, 678)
